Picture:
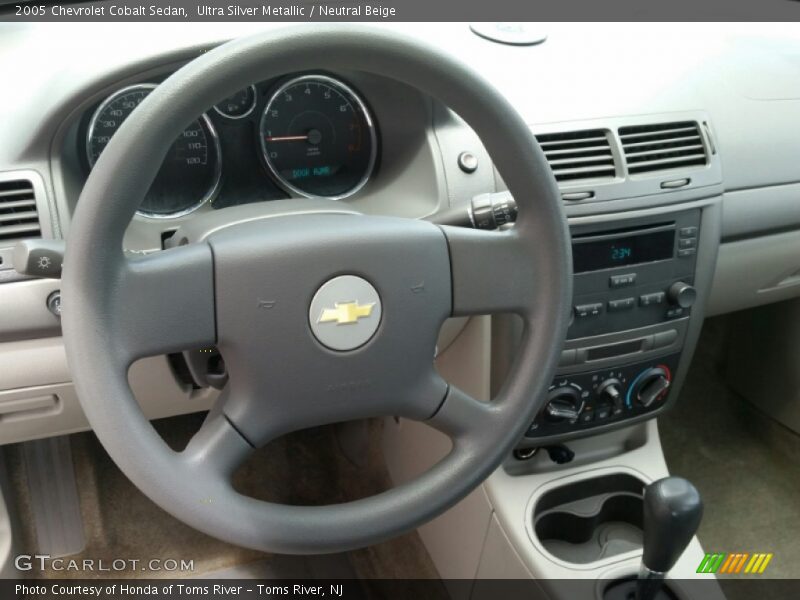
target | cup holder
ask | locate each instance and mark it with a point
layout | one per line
(590, 520)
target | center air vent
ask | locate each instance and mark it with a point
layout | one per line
(18, 216)
(663, 146)
(579, 154)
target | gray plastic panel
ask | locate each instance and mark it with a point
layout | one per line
(23, 310)
(759, 211)
(756, 271)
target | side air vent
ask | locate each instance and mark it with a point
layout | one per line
(579, 154)
(18, 216)
(663, 146)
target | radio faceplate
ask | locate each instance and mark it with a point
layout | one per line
(653, 254)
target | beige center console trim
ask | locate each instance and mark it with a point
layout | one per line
(513, 499)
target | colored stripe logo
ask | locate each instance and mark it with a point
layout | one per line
(735, 563)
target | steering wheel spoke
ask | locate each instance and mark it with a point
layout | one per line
(263, 406)
(461, 416)
(217, 447)
(164, 302)
(493, 272)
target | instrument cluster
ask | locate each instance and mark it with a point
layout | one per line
(309, 135)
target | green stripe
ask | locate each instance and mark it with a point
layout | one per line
(703, 564)
(718, 563)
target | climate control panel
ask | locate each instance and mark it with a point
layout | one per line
(583, 401)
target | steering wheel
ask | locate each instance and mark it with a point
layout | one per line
(320, 318)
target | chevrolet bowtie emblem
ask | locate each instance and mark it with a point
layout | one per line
(345, 313)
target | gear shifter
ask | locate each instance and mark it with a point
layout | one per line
(672, 513)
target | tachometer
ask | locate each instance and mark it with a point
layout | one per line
(318, 138)
(190, 174)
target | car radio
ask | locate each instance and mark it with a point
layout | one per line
(633, 294)
(633, 276)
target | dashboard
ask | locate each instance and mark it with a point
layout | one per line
(697, 130)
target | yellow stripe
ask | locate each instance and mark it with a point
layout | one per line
(767, 558)
(728, 561)
(751, 563)
(757, 564)
(741, 562)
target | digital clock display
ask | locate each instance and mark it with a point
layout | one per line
(592, 253)
(621, 253)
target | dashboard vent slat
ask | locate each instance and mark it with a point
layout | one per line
(662, 146)
(13, 192)
(578, 155)
(21, 216)
(571, 159)
(18, 216)
(587, 151)
(649, 152)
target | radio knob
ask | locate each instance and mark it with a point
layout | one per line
(682, 294)
(564, 403)
(609, 390)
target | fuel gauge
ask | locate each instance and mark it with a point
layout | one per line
(239, 105)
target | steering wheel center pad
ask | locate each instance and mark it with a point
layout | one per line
(281, 377)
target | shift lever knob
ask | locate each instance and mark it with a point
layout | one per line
(672, 513)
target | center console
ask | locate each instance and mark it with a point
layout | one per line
(633, 297)
(567, 506)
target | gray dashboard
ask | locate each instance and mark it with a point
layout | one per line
(740, 86)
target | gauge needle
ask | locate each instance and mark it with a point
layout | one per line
(287, 138)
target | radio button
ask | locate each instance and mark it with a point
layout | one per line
(686, 252)
(621, 304)
(618, 281)
(588, 310)
(687, 242)
(651, 299)
(687, 232)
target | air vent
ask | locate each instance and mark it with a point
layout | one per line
(579, 154)
(18, 216)
(664, 146)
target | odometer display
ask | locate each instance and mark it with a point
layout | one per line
(318, 138)
(190, 174)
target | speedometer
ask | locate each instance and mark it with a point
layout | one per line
(318, 138)
(190, 174)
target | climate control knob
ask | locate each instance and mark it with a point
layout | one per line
(611, 391)
(650, 385)
(564, 404)
(682, 294)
